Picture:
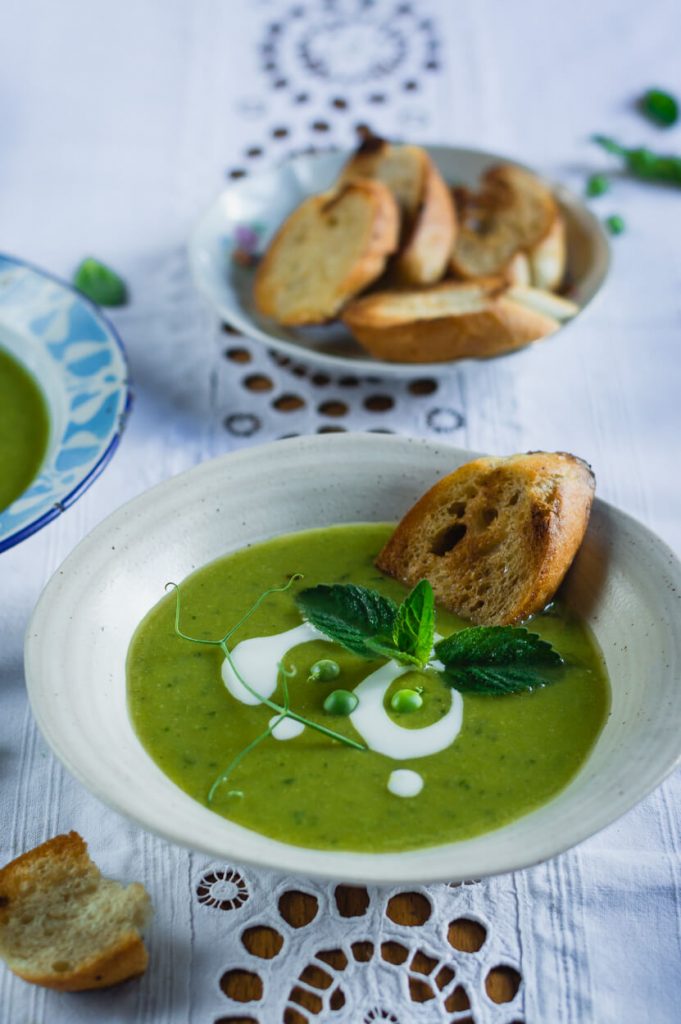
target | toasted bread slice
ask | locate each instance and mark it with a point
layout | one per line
(330, 248)
(548, 257)
(428, 220)
(449, 321)
(544, 302)
(63, 925)
(496, 537)
(513, 212)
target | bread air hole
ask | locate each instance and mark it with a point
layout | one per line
(448, 539)
(457, 509)
(61, 966)
(485, 518)
(514, 499)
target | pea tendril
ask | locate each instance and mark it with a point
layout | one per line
(283, 710)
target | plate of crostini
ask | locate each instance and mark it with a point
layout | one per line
(398, 258)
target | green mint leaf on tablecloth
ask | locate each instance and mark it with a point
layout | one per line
(359, 619)
(495, 659)
(415, 623)
(100, 284)
(660, 107)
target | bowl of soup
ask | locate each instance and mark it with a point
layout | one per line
(64, 397)
(137, 698)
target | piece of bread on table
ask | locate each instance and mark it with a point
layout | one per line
(496, 537)
(428, 218)
(449, 321)
(330, 248)
(63, 925)
(514, 212)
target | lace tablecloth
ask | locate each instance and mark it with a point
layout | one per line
(120, 124)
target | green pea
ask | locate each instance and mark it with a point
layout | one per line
(660, 106)
(324, 671)
(406, 701)
(597, 185)
(615, 224)
(341, 702)
(100, 284)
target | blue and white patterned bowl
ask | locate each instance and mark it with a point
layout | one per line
(80, 364)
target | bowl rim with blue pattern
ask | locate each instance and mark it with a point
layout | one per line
(79, 361)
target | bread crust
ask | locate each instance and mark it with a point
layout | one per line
(559, 488)
(126, 958)
(498, 222)
(382, 238)
(428, 228)
(503, 325)
(424, 256)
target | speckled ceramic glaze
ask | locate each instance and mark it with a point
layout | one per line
(247, 214)
(79, 362)
(625, 583)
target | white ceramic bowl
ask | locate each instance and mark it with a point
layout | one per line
(625, 582)
(262, 203)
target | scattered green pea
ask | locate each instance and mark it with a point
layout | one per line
(660, 106)
(324, 671)
(615, 224)
(100, 284)
(405, 701)
(597, 185)
(341, 702)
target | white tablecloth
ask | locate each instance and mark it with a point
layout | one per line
(119, 124)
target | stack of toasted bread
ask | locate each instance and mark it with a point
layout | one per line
(451, 273)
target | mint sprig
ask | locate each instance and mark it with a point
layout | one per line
(495, 659)
(481, 659)
(414, 625)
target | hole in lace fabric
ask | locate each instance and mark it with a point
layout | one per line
(262, 941)
(362, 951)
(258, 382)
(223, 889)
(298, 908)
(409, 908)
(352, 901)
(333, 408)
(316, 977)
(236, 1020)
(457, 1000)
(466, 935)
(238, 355)
(443, 977)
(335, 958)
(421, 963)
(379, 1014)
(420, 991)
(394, 953)
(502, 983)
(425, 386)
(288, 403)
(242, 986)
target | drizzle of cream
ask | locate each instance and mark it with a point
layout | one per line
(257, 660)
(287, 728)
(382, 734)
(404, 782)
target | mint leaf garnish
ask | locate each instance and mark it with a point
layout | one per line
(495, 659)
(359, 619)
(100, 284)
(415, 623)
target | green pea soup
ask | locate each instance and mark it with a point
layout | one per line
(24, 428)
(512, 754)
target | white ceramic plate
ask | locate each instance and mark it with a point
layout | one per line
(79, 362)
(262, 202)
(625, 582)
